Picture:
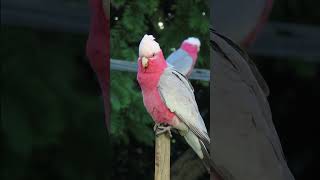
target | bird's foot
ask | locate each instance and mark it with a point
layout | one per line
(162, 128)
(155, 127)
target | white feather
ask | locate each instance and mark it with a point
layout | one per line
(193, 41)
(148, 46)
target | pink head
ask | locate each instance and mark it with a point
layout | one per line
(151, 62)
(191, 46)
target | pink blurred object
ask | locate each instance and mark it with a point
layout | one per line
(98, 50)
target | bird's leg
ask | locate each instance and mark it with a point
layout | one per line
(162, 128)
(155, 127)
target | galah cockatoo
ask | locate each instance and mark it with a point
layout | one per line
(186, 56)
(168, 97)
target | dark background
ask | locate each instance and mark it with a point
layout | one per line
(52, 124)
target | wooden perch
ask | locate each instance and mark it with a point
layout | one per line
(162, 157)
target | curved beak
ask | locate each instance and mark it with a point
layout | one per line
(144, 62)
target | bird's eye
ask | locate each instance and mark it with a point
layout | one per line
(153, 54)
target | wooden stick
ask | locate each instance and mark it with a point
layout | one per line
(162, 157)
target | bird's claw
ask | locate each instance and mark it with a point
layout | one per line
(161, 128)
(155, 127)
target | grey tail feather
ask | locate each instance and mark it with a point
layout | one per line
(209, 164)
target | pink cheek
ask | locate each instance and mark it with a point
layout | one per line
(152, 58)
(155, 58)
(151, 62)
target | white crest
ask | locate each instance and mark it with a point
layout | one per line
(193, 41)
(148, 46)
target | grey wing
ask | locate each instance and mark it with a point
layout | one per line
(231, 50)
(242, 124)
(181, 61)
(177, 93)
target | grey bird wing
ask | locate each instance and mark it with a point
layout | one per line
(177, 93)
(181, 61)
(230, 50)
(242, 125)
